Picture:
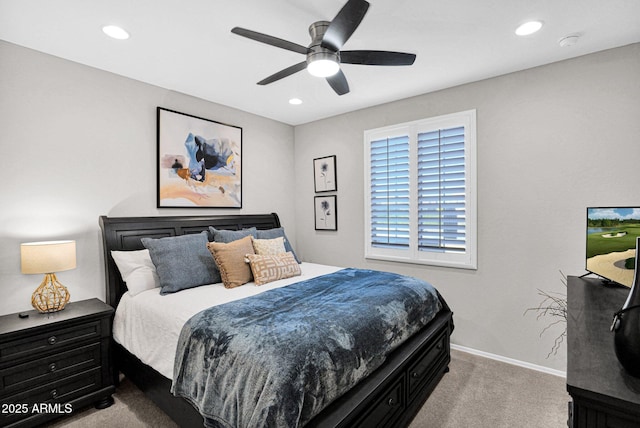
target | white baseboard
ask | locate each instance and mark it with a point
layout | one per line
(510, 361)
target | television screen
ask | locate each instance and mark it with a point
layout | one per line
(611, 242)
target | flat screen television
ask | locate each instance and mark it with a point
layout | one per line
(611, 242)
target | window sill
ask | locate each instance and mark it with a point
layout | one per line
(439, 263)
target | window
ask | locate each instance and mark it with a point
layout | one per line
(420, 191)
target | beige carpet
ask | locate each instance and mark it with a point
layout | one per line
(477, 392)
(482, 393)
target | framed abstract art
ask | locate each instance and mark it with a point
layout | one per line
(199, 162)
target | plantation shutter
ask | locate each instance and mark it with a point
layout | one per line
(441, 190)
(390, 192)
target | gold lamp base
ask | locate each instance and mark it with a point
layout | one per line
(50, 296)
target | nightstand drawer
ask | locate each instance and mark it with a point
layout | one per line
(51, 341)
(44, 370)
(60, 391)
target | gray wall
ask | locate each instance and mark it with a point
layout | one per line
(551, 141)
(78, 143)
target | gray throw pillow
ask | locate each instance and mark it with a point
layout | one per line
(226, 236)
(182, 261)
(276, 233)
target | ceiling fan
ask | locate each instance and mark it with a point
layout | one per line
(323, 54)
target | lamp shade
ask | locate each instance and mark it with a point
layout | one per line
(47, 257)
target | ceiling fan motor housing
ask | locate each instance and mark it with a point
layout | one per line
(317, 30)
(316, 51)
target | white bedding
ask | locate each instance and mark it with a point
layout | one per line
(148, 325)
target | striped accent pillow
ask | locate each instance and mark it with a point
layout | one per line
(268, 268)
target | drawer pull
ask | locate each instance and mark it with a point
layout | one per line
(391, 402)
(54, 393)
(52, 367)
(52, 340)
(415, 375)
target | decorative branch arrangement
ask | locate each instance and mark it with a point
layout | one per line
(555, 306)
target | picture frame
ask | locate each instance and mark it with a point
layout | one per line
(324, 174)
(326, 212)
(199, 162)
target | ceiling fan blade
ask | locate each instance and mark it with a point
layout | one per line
(284, 73)
(344, 24)
(376, 58)
(339, 83)
(269, 40)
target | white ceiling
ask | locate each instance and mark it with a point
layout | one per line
(187, 46)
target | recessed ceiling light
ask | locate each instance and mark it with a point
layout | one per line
(528, 28)
(295, 101)
(115, 32)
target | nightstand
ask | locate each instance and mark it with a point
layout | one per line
(53, 364)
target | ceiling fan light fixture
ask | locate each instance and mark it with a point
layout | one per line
(322, 63)
(323, 68)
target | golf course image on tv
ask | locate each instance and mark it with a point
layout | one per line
(611, 242)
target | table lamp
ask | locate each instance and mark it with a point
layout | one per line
(47, 258)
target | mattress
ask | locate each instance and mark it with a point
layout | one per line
(148, 325)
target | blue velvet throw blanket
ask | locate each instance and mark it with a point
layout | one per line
(277, 359)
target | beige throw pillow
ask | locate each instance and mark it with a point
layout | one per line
(268, 268)
(269, 246)
(230, 260)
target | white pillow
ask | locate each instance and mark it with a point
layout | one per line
(137, 270)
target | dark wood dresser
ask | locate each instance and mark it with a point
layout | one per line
(603, 394)
(53, 364)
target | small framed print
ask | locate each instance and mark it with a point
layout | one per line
(326, 212)
(324, 174)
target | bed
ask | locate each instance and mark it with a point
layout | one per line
(390, 395)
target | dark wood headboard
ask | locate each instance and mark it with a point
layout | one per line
(124, 233)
